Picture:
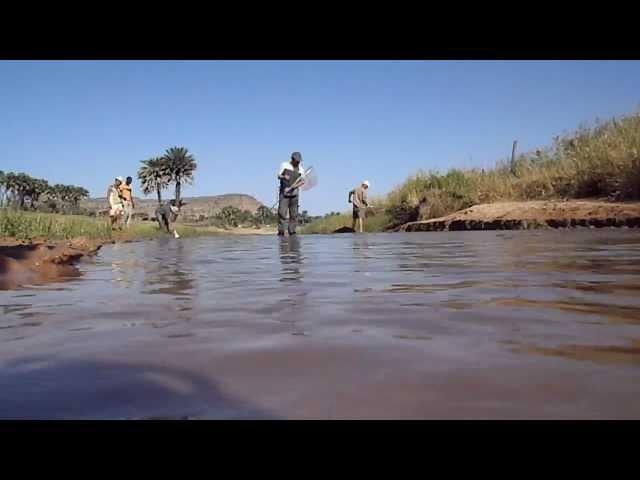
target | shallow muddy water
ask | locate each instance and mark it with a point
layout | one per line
(514, 324)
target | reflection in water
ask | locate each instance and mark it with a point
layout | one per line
(291, 259)
(560, 252)
(317, 326)
(592, 353)
(613, 313)
(124, 266)
(168, 271)
(294, 294)
(361, 252)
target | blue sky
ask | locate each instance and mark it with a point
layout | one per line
(85, 122)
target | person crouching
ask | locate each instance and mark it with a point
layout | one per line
(167, 214)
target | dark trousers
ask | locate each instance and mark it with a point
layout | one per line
(287, 204)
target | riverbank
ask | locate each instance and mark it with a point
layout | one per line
(599, 162)
(375, 222)
(28, 262)
(40, 248)
(534, 214)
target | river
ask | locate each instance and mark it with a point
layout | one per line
(478, 325)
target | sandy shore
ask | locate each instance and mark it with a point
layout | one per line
(534, 214)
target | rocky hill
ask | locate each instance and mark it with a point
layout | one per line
(196, 208)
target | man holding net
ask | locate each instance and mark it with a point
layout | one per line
(291, 176)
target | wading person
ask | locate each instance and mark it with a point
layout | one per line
(127, 201)
(288, 173)
(167, 214)
(116, 207)
(360, 204)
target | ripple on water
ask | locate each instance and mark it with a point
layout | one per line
(320, 317)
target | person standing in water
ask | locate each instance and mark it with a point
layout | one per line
(288, 173)
(360, 204)
(115, 202)
(127, 201)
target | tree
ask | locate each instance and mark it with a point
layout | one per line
(65, 198)
(3, 180)
(37, 188)
(264, 215)
(154, 176)
(19, 185)
(230, 215)
(76, 194)
(24, 191)
(55, 196)
(180, 167)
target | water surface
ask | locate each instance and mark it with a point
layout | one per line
(398, 325)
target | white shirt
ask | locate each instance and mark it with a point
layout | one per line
(114, 197)
(287, 166)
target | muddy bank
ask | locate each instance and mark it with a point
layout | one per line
(38, 261)
(344, 230)
(533, 214)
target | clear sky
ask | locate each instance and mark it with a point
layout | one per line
(85, 122)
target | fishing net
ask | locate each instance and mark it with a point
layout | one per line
(310, 179)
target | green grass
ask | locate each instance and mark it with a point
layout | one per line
(27, 225)
(374, 223)
(593, 162)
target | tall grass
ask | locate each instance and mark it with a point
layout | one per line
(27, 225)
(373, 223)
(23, 225)
(603, 161)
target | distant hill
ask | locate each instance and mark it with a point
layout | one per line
(196, 208)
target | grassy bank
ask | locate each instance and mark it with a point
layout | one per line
(27, 225)
(602, 161)
(599, 161)
(374, 223)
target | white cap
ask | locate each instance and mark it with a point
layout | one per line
(366, 182)
(120, 178)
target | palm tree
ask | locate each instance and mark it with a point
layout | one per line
(3, 187)
(20, 186)
(154, 176)
(230, 215)
(54, 197)
(264, 215)
(61, 194)
(10, 184)
(76, 194)
(37, 188)
(180, 165)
